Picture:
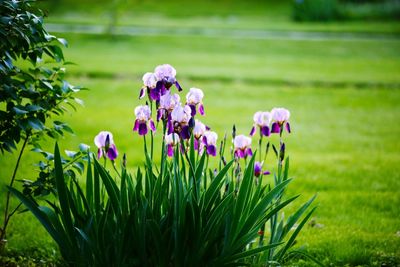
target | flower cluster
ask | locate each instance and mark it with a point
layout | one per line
(179, 122)
(279, 118)
(177, 118)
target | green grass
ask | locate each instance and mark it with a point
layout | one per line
(343, 96)
(235, 14)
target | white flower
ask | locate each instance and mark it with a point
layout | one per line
(165, 71)
(195, 96)
(172, 139)
(199, 129)
(143, 113)
(262, 119)
(181, 114)
(280, 115)
(211, 138)
(169, 102)
(150, 80)
(242, 142)
(100, 139)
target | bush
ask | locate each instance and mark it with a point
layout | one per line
(32, 85)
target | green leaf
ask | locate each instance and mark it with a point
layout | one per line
(19, 111)
(62, 41)
(63, 195)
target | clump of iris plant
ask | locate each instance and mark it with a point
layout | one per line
(193, 214)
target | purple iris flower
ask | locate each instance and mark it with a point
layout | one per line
(242, 146)
(143, 120)
(158, 83)
(180, 118)
(105, 145)
(149, 83)
(262, 121)
(166, 78)
(171, 140)
(258, 169)
(280, 118)
(167, 103)
(194, 98)
(210, 142)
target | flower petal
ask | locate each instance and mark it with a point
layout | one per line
(99, 153)
(178, 86)
(275, 128)
(142, 93)
(112, 152)
(136, 125)
(170, 150)
(154, 94)
(193, 109)
(201, 109)
(152, 126)
(265, 130)
(212, 150)
(185, 133)
(249, 152)
(288, 127)
(142, 128)
(252, 131)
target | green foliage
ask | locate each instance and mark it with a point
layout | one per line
(31, 95)
(164, 218)
(73, 166)
(315, 10)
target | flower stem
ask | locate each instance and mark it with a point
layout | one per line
(8, 216)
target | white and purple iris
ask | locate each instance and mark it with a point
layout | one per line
(198, 131)
(105, 145)
(242, 146)
(210, 142)
(262, 120)
(180, 117)
(258, 169)
(280, 118)
(194, 98)
(143, 120)
(159, 82)
(167, 103)
(171, 141)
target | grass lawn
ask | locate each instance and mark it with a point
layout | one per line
(343, 96)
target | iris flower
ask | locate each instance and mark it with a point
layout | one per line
(258, 169)
(143, 120)
(159, 82)
(167, 103)
(242, 146)
(105, 145)
(180, 118)
(198, 132)
(262, 121)
(280, 118)
(194, 98)
(210, 142)
(171, 140)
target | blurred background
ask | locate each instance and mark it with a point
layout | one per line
(334, 64)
